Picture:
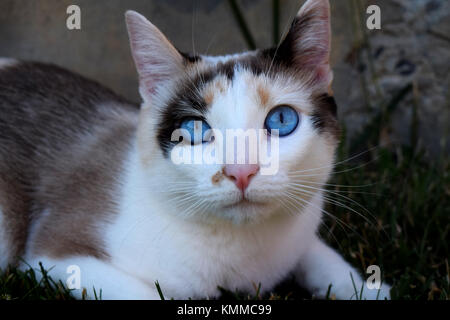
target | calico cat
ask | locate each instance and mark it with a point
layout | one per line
(87, 178)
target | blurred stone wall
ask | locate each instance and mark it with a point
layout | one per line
(371, 66)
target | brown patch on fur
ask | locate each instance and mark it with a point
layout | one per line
(62, 145)
(218, 177)
(217, 86)
(209, 96)
(263, 94)
(220, 84)
(81, 197)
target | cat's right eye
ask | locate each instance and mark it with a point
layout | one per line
(199, 131)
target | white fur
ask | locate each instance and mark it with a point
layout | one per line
(214, 60)
(108, 281)
(327, 266)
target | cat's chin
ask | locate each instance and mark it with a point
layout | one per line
(244, 204)
(246, 211)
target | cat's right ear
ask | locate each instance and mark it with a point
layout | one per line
(307, 45)
(157, 60)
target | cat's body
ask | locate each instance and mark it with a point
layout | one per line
(86, 179)
(63, 140)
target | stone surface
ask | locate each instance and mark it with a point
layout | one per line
(413, 46)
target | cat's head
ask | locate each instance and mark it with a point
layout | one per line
(283, 90)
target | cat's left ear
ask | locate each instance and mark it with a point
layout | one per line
(308, 42)
(157, 60)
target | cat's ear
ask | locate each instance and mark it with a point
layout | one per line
(308, 42)
(157, 60)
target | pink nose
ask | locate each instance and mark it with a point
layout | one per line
(241, 174)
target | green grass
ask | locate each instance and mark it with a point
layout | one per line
(23, 285)
(408, 233)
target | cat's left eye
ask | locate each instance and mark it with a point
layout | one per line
(199, 131)
(283, 118)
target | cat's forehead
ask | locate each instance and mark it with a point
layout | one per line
(247, 76)
(247, 90)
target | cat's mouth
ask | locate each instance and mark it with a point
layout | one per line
(243, 203)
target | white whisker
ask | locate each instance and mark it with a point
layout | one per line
(333, 165)
(300, 188)
(337, 203)
(297, 198)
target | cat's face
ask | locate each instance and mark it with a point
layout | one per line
(279, 100)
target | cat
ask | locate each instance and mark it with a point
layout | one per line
(87, 178)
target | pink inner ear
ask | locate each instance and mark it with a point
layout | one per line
(323, 75)
(149, 86)
(312, 45)
(315, 61)
(313, 56)
(156, 59)
(148, 78)
(309, 38)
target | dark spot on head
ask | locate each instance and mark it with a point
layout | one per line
(189, 57)
(226, 69)
(288, 53)
(186, 103)
(325, 115)
(285, 53)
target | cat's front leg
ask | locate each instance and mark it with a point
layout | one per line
(321, 266)
(109, 282)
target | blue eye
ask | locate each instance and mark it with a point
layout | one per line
(197, 129)
(283, 118)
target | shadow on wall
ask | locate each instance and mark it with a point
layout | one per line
(372, 67)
